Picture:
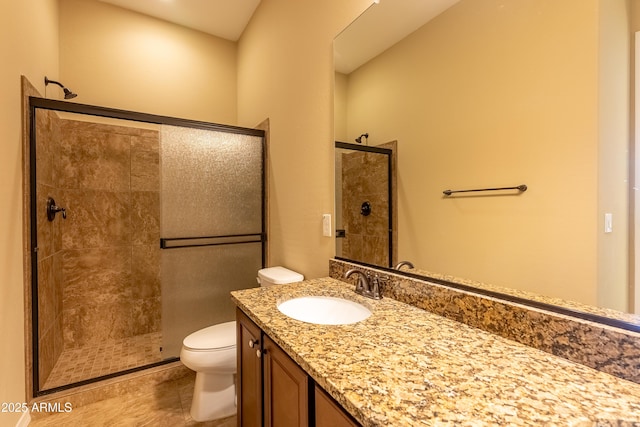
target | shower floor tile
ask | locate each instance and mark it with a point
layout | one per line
(78, 364)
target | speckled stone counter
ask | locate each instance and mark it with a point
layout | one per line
(404, 366)
(572, 305)
(608, 349)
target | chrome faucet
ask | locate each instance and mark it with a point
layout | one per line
(401, 263)
(366, 286)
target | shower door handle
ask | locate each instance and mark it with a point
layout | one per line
(53, 209)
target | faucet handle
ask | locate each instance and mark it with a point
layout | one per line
(375, 286)
(53, 209)
(363, 283)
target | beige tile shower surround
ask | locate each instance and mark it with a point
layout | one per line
(50, 252)
(366, 237)
(109, 180)
(607, 349)
(365, 178)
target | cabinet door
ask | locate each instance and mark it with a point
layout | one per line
(329, 414)
(286, 389)
(249, 377)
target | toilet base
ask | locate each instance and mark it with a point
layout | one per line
(214, 397)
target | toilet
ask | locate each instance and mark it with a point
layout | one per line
(211, 352)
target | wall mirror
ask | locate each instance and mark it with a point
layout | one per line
(141, 226)
(500, 93)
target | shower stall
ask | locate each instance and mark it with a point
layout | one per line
(141, 225)
(366, 202)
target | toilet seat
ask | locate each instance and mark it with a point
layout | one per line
(212, 338)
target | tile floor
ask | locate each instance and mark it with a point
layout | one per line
(79, 364)
(163, 405)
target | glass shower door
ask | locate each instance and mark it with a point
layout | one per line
(211, 226)
(140, 227)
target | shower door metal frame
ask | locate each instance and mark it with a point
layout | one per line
(92, 110)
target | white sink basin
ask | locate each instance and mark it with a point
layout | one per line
(324, 310)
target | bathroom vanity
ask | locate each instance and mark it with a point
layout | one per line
(405, 366)
(274, 388)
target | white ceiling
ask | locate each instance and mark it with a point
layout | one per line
(222, 18)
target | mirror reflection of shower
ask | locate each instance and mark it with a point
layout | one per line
(67, 93)
(366, 202)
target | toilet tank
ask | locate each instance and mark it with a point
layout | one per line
(278, 276)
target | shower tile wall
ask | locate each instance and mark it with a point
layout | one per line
(50, 254)
(99, 271)
(365, 178)
(110, 180)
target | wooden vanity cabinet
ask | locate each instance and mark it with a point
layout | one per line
(249, 376)
(328, 413)
(273, 391)
(286, 389)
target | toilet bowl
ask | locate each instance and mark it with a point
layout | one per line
(211, 352)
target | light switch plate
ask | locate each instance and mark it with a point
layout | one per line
(608, 223)
(326, 225)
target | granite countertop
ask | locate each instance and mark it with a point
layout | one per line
(572, 305)
(404, 366)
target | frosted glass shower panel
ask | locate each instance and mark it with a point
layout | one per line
(211, 183)
(197, 281)
(211, 226)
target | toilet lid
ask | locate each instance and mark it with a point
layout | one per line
(213, 337)
(279, 275)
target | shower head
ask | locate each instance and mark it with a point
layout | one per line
(359, 139)
(67, 93)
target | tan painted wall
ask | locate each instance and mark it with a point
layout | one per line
(116, 58)
(475, 109)
(634, 271)
(285, 73)
(29, 45)
(340, 108)
(614, 99)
